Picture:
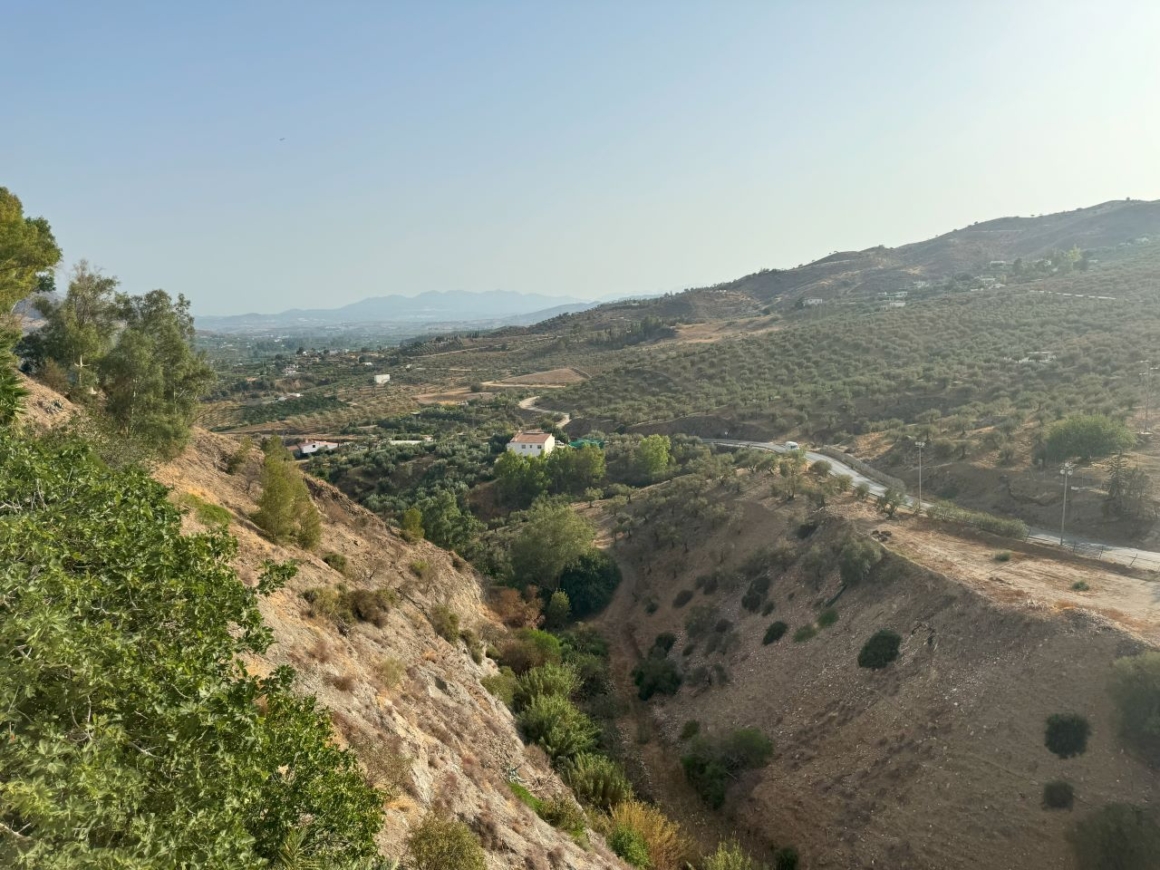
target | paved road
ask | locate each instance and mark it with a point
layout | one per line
(529, 404)
(1083, 546)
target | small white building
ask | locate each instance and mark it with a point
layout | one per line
(382, 379)
(812, 302)
(532, 443)
(309, 448)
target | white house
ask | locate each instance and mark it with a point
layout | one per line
(381, 379)
(309, 448)
(813, 302)
(532, 443)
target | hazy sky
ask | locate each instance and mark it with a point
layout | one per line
(266, 155)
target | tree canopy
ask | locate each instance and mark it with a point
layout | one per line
(1086, 437)
(552, 536)
(28, 251)
(153, 377)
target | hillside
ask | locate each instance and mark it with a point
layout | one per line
(408, 702)
(937, 760)
(969, 250)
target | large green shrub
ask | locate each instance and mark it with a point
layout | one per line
(1086, 437)
(589, 582)
(1066, 734)
(880, 650)
(630, 846)
(558, 727)
(177, 750)
(529, 648)
(444, 844)
(653, 675)
(1135, 689)
(597, 781)
(857, 559)
(548, 679)
(711, 763)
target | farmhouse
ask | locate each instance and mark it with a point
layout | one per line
(309, 448)
(381, 379)
(532, 443)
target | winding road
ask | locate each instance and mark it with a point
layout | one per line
(1130, 556)
(529, 404)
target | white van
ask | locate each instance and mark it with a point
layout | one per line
(791, 445)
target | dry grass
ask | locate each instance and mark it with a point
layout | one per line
(669, 847)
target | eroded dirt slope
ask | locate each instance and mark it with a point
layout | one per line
(935, 762)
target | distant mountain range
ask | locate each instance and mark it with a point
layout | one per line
(454, 307)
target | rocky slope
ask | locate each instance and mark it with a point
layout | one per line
(407, 701)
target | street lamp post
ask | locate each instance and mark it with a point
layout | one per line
(920, 443)
(1066, 471)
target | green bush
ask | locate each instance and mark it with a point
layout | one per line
(1003, 556)
(141, 628)
(444, 844)
(597, 781)
(711, 764)
(745, 749)
(1117, 837)
(690, 729)
(210, 515)
(1135, 689)
(730, 856)
(530, 648)
(1066, 734)
(589, 582)
(502, 685)
(1058, 795)
(548, 679)
(345, 606)
(445, 621)
(682, 598)
(880, 650)
(664, 642)
(526, 797)
(827, 617)
(857, 559)
(767, 608)
(775, 632)
(653, 675)
(558, 727)
(563, 813)
(337, 561)
(1086, 437)
(558, 610)
(806, 632)
(630, 846)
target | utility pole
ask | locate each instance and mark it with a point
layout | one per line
(920, 443)
(1066, 470)
(1146, 377)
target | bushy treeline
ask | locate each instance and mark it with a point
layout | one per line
(1007, 528)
